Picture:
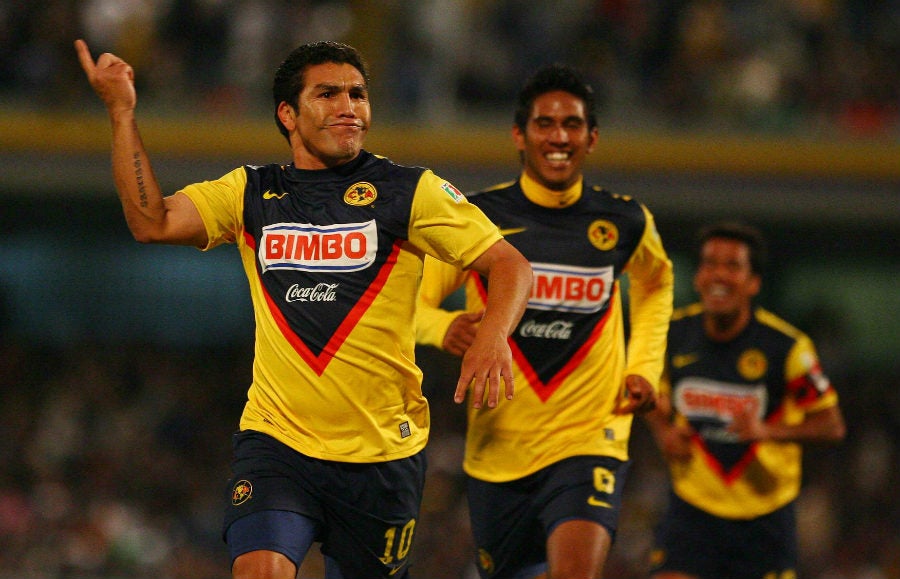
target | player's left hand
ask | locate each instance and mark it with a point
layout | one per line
(748, 427)
(486, 367)
(637, 397)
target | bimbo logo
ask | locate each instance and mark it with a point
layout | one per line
(710, 399)
(565, 288)
(305, 247)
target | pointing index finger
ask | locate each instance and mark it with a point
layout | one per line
(84, 57)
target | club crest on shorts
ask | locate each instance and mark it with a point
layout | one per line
(241, 492)
(603, 234)
(485, 561)
(360, 194)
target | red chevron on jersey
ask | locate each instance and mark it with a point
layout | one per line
(710, 406)
(546, 390)
(729, 475)
(534, 365)
(320, 362)
(735, 471)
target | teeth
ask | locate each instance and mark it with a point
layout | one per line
(557, 156)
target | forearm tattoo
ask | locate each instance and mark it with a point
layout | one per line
(139, 175)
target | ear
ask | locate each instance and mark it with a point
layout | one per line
(592, 139)
(287, 116)
(755, 285)
(518, 138)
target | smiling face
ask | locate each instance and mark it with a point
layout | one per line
(726, 283)
(329, 124)
(556, 140)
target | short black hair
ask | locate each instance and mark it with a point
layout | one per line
(289, 77)
(742, 233)
(553, 77)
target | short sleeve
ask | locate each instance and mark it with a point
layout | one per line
(220, 204)
(446, 226)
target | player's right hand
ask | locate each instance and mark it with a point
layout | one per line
(676, 443)
(461, 333)
(111, 78)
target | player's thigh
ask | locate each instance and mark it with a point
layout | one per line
(267, 475)
(269, 544)
(509, 537)
(371, 513)
(688, 543)
(587, 488)
(263, 565)
(578, 548)
(769, 546)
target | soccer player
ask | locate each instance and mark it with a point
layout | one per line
(331, 439)
(546, 472)
(742, 390)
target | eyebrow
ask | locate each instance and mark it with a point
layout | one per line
(566, 119)
(339, 87)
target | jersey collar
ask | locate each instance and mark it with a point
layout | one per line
(540, 195)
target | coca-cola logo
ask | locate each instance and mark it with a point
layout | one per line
(322, 292)
(555, 330)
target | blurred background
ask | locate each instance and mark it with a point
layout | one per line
(123, 368)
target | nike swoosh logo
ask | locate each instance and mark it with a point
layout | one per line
(270, 195)
(512, 230)
(595, 502)
(682, 360)
(393, 570)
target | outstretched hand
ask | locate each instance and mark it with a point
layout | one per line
(486, 364)
(111, 78)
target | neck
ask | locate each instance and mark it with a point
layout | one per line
(545, 197)
(725, 327)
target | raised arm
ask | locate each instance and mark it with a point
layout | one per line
(151, 217)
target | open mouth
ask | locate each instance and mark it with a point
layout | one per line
(558, 157)
(718, 291)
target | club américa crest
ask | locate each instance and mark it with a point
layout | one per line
(241, 492)
(360, 194)
(603, 234)
(485, 561)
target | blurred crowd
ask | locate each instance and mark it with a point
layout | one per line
(115, 459)
(821, 67)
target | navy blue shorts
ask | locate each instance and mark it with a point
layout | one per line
(692, 541)
(511, 521)
(364, 515)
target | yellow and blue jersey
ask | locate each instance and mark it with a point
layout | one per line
(334, 259)
(569, 348)
(771, 370)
